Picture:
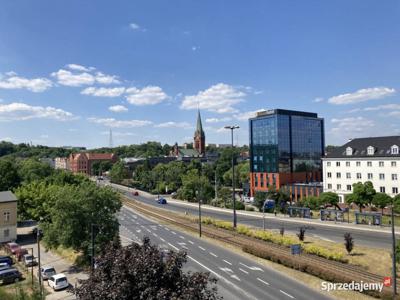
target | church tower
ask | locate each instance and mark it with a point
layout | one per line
(199, 142)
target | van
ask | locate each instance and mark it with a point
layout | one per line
(58, 282)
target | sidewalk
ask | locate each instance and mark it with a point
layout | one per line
(279, 217)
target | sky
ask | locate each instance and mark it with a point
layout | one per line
(72, 70)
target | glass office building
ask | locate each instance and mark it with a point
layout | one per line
(285, 147)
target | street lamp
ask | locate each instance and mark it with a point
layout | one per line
(232, 128)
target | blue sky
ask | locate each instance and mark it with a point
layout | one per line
(71, 70)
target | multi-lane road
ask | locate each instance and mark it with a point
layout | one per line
(238, 277)
(378, 239)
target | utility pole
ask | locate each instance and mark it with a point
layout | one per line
(394, 255)
(215, 183)
(39, 265)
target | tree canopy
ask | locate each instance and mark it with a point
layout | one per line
(362, 194)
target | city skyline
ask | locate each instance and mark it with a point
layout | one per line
(71, 72)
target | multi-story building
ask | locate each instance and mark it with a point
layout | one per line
(61, 163)
(82, 162)
(285, 147)
(375, 159)
(8, 217)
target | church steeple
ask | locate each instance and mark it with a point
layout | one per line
(199, 141)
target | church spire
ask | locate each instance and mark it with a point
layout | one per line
(199, 141)
(199, 127)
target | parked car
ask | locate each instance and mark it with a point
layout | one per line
(162, 201)
(12, 247)
(47, 271)
(7, 260)
(4, 266)
(35, 231)
(19, 255)
(10, 276)
(58, 282)
(135, 193)
(174, 195)
(29, 260)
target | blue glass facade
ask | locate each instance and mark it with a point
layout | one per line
(283, 141)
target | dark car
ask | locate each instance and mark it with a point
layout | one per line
(6, 259)
(162, 201)
(20, 253)
(135, 193)
(12, 247)
(10, 276)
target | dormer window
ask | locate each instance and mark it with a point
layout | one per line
(349, 151)
(370, 150)
(394, 149)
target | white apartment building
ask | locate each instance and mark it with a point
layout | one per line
(61, 163)
(375, 159)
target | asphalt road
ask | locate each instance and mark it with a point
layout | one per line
(238, 277)
(329, 233)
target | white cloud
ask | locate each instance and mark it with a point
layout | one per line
(82, 76)
(395, 113)
(149, 95)
(218, 98)
(245, 116)
(362, 95)
(174, 125)
(21, 111)
(391, 106)
(44, 136)
(103, 92)
(6, 139)
(218, 120)
(11, 81)
(118, 108)
(318, 100)
(136, 27)
(111, 122)
(352, 124)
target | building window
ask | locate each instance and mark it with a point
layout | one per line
(393, 163)
(347, 164)
(395, 149)
(7, 216)
(349, 187)
(358, 163)
(381, 164)
(348, 175)
(328, 164)
(338, 175)
(395, 190)
(369, 163)
(370, 150)
(394, 176)
(6, 233)
(358, 175)
(338, 187)
(382, 176)
(370, 176)
(329, 186)
(382, 189)
(329, 174)
(261, 180)
(338, 164)
(349, 151)
(255, 157)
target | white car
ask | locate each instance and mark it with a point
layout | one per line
(58, 282)
(47, 271)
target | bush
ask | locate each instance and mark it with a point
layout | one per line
(322, 252)
(349, 243)
(249, 208)
(243, 229)
(239, 205)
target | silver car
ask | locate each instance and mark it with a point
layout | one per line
(47, 271)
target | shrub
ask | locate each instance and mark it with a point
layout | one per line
(349, 243)
(243, 229)
(224, 225)
(325, 253)
(249, 208)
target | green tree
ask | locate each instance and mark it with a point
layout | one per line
(362, 194)
(32, 169)
(224, 195)
(194, 186)
(330, 198)
(9, 177)
(312, 202)
(381, 200)
(118, 172)
(259, 199)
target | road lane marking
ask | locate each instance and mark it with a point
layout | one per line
(202, 248)
(166, 228)
(226, 270)
(253, 268)
(290, 296)
(162, 239)
(173, 232)
(148, 230)
(227, 262)
(215, 255)
(155, 234)
(234, 276)
(244, 271)
(191, 242)
(176, 248)
(262, 281)
(182, 237)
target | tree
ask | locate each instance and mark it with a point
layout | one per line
(312, 202)
(259, 199)
(144, 272)
(192, 184)
(32, 169)
(9, 177)
(330, 198)
(118, 172)
(381, 200)
(362, 195)
(349, 243)
(225, 195)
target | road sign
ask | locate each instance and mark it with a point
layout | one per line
(295, 249)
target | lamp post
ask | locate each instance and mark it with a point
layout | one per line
(232, 128)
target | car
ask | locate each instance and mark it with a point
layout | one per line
(35, 231)
(47, 271)
(29, 260)
(4, 266)
(12, 247)
(174, 195)
(7, 260)
(135, 193)
(19, 255)
(10, 276)
(162, 201)
(58, 282)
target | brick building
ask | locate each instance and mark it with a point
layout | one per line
(82, 162)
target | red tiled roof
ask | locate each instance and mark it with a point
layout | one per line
(100, 155)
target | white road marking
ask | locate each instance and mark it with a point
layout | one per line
(227, 262)
(253, 268)
(182, 237)
(148, 230)
(166, 228)
(226, 270)
(215, 255)
(202, 248)
(244, 271)
(234, 276)
(155, 234)
(262, 281)
(184, 247)
(247, 295)
(182, 243)
(138, 230)
(162, 239)
(322, 238)
(290, 296)
(173, 232)
(191, 242)
(176, 248)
